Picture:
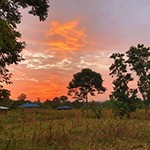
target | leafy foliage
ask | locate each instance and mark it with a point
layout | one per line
(56, 102)
(86, 82)
(22, 97)
(4, 94)
(124, 98)
(63, 99)
(139, 61)
(9, 50)
(10, 16)
(9, 10)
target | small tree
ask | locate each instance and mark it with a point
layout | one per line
(55, 102)
(77, 103)
(123, 97)
(47, 103)
(4, 94)
(22, 97)
(56, 99)
(63, 99)
(85, 83)
(4, 97)
(139, 61)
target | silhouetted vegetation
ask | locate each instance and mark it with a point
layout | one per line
(139, 61)
(84, 83)
(10, 17)
(124, 99)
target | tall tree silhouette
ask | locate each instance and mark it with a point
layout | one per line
(124, 97)
(85, 83)
(139, 61)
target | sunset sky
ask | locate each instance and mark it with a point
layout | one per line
(77, 34)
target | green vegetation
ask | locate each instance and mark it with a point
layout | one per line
(139, 61)
(84, 83)
(124, 99)
(47, 129)
(10, 17)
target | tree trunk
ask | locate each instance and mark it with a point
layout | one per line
(145, 104)
(87, 112)
(145, 99)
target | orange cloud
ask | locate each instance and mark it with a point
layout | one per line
(66, 36)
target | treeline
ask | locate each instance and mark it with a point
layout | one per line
(22, 99)
(61, 101)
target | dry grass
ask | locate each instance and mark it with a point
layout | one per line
(70, 130)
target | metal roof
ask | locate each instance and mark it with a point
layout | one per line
(4, 108)
(64, 107)
(29, 105)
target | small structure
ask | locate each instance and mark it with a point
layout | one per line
(3, 109)
(64, 108)
(29, 105)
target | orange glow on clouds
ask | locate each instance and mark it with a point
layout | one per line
(66, 36)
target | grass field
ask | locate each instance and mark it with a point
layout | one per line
(46, 129)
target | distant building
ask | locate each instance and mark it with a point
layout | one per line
(29, 105)
(64, 108)
(3, 109)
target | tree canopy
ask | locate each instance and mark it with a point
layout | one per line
(10, 10)
(86, 82)
(10, 16)
(63, 98)
(22, 97)
(139, 61)
(124, 98)
(4, 94)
